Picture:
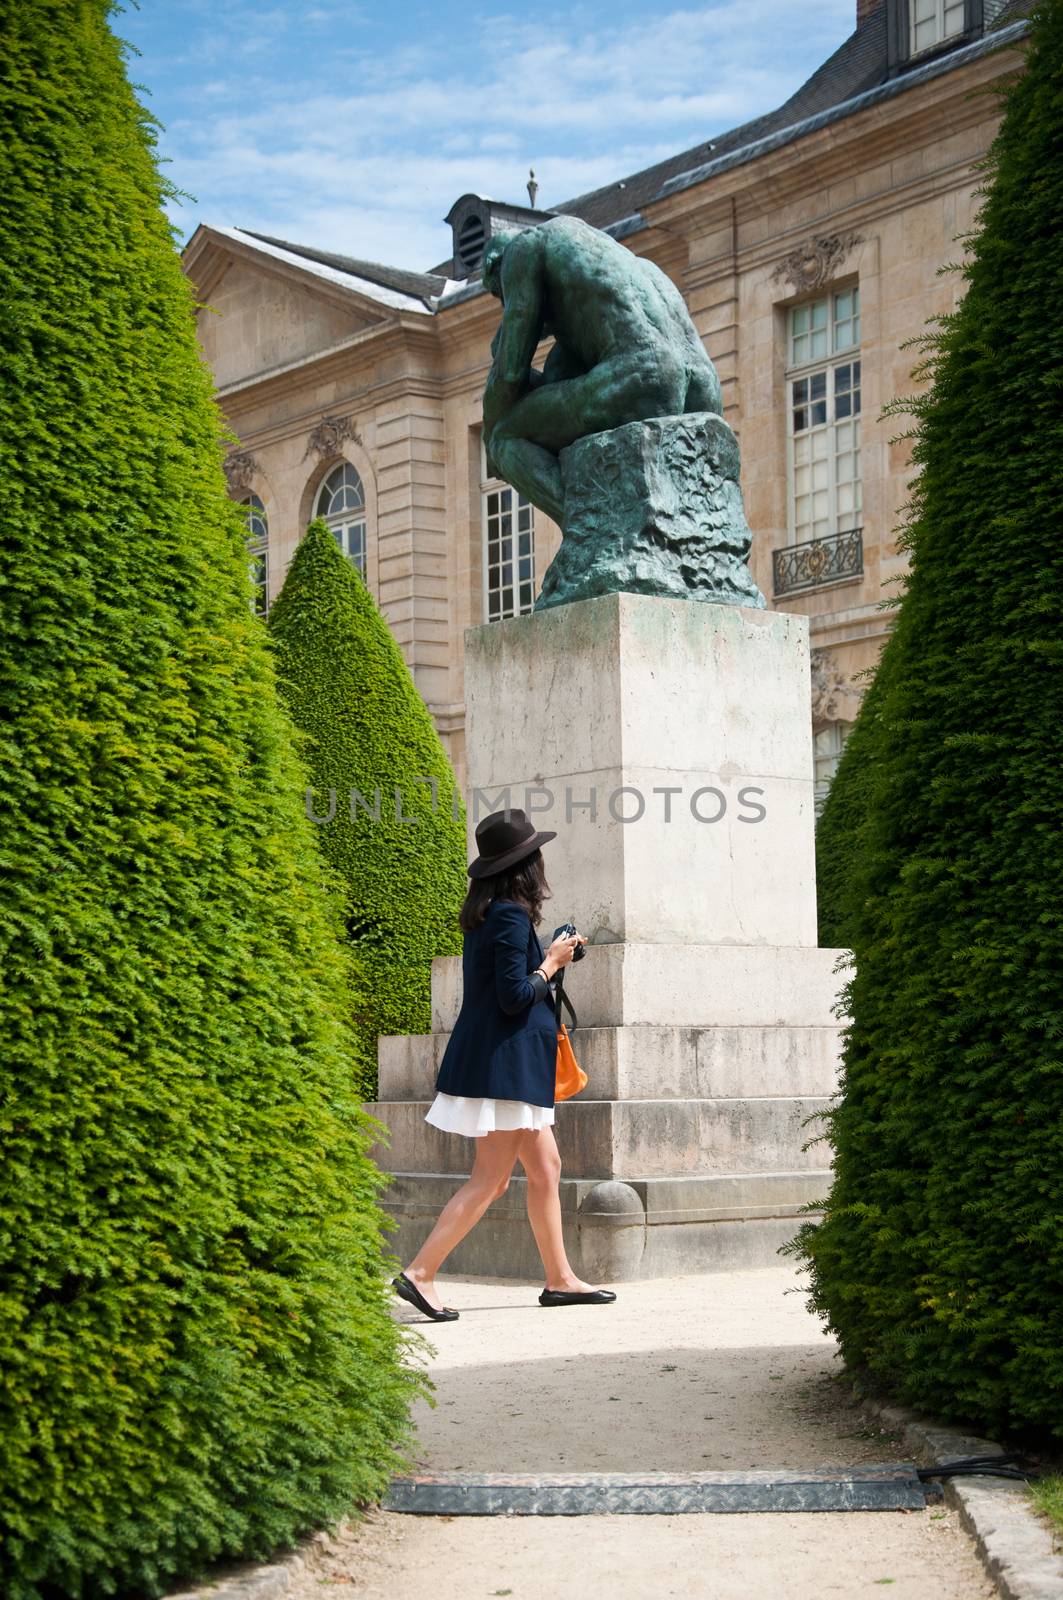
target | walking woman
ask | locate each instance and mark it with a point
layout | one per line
(496, 1080)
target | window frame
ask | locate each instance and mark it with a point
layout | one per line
(345, 520)
(840, 730)
(488, 486)
(899, 34)
(795, 372)
(254, 509)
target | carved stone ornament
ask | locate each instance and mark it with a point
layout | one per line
(328, 437)
(817, 261)
(835, 698)
(240, 469)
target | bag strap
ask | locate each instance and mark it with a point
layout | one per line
(560, 998)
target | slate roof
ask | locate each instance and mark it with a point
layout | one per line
(426, 286)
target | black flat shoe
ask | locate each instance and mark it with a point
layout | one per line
(576, 1297)
(410, 1293)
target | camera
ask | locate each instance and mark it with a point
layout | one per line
(566, 930)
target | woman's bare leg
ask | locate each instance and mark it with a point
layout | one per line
(496, 1155)
(541, 1161)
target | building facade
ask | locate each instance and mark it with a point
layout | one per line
(809, 246)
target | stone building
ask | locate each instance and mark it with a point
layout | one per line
(808, 245)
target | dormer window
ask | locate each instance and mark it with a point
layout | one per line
(931, 22)
(918, 30)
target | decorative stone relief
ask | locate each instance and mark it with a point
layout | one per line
(835, 698)
(240, 468)
(816, 262)
(329, 436)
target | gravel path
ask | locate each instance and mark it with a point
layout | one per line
(689, 1373)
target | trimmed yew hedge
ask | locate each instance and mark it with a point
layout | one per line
(940, 1261)
(198, 1358)
(401, 854)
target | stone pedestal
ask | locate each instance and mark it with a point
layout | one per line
(706, 1010)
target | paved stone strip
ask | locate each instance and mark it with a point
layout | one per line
(1016, 1547)
(491, 1494)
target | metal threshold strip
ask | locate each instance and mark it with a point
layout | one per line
(895, 1487)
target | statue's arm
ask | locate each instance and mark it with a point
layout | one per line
(520, 330)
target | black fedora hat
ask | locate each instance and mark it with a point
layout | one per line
(503, 839)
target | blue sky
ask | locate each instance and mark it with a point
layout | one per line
(354, 127)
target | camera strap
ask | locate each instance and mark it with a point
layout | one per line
(560, 998)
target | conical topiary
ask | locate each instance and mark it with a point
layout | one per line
(198, 1355)
(940, 1259)
(392, 824)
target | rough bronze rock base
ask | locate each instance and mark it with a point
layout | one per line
(654, 508)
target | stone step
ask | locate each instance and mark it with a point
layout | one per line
(684, 985)
(648, 1062)
(617, 1231)
(630, 1138)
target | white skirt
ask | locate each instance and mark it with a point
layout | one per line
(458, 1113)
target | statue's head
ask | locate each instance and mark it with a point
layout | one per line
(491, 265)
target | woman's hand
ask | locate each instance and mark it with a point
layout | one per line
(560, 953)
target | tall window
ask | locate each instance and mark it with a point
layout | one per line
(509, 549)
(258, 549)
(930, 22)
(341, 501)
(828, 743)
(823, 388)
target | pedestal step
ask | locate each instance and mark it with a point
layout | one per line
(630, 1138)
(617, 1231)
(685, 985)
(648, 1062)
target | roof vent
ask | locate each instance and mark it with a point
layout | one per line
(472, 236)
(473, 219)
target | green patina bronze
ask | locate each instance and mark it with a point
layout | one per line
(619, 438)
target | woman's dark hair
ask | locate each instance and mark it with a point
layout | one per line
(525, 883)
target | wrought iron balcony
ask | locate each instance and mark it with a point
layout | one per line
(818, 561)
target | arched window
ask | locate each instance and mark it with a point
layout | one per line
(258, 549)
(341, 501)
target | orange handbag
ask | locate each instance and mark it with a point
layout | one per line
(571, 1077)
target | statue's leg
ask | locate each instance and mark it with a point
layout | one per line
(532, 471)
(526, 442)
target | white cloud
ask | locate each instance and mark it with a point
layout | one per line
(276, 141)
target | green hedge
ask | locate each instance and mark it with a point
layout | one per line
(839, 830)
(940, 1259)
(369, 732)
(197, 1354)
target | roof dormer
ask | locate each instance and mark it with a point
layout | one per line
(474, 218)
(919, 30)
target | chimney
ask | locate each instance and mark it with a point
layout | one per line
(867, 8)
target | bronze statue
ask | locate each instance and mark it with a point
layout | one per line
(625, 349)
(620, 437)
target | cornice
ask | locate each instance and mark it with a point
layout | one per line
(354, 404)
(396, 335)
(860, 216)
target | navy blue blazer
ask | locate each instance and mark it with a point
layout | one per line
(504, 1043)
